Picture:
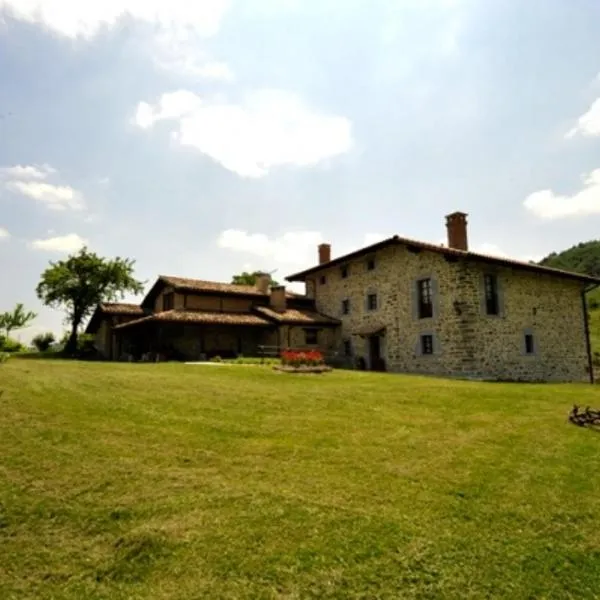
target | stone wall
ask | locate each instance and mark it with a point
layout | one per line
(466, 342)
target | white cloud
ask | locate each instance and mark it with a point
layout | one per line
(85, 18)
(30, 181)
(66, 243)
(268, 128)
(56, 197)
(27, 172)
(4, 234)
(292, 247)
(589, 123)
(490, 250)
(545, 204)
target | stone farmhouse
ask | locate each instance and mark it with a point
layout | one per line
(398, 305)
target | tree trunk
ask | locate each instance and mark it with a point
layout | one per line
(71, 345)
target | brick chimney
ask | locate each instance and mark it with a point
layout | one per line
(456, 224)
(262, 283)
(324, 253)
(277, 300)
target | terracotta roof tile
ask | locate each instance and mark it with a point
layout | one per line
(201, 317)
(121, 308)
(468, 255)
(201, 285)
(301, 317)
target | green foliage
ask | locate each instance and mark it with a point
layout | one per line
(582, 258)
(18, 318)
(216, 359)
(10, 345)
(81, 282)
(43, 341)
(4, 356)
(246, 278)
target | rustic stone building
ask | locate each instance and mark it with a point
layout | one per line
(410, 306)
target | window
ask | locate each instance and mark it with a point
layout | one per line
(425, 299)
(168, 301)
(347, 348)
(323, 280)
(529, 343)
(345, 307)
(370, 264)
(344, 272)
(427, 344)
(492, 306)
(311, 337)
(372, 302)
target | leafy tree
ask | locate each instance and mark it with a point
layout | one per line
(582, 258)
(43, 341)
(83, 281)
(246, 278)
(18, 318)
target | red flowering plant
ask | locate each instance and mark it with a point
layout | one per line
(299, 358)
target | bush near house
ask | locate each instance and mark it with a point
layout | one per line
(301, 358)
(43, 341)
(10, 345)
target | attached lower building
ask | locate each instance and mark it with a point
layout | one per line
(399, 305)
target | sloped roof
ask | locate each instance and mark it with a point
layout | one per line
(201, 285)
(121, 308)
(449, 252)
(201, 317)
(296, 316)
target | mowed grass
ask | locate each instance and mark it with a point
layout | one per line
(172, 481)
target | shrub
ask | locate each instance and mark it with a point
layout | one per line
(4, 356)
(43, 341)
(216, 359)
(10, 345)
(294, 358)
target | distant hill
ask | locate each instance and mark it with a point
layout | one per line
(582, 258)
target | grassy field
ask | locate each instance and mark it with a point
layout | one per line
(172, 481)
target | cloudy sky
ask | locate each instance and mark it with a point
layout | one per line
(203, 138)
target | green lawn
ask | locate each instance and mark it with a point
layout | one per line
(172, 481)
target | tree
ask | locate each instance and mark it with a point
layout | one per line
(247, 278)
(43, 341)
(19, 318)
(83, 281)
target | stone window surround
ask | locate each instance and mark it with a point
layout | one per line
(500, 295)
(346, 304)
(436, 344)
(344, 271)
(371, 292)
(529, 331)
(434, 297)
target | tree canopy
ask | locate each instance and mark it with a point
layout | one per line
(582, 258)
(247, 278)
(18, 318)
(82, 281)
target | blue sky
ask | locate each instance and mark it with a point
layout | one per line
(206, 138)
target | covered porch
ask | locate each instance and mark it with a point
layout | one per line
(192, 337)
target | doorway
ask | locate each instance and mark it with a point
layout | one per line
(376, 362)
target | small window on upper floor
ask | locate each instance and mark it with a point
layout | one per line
(492, 306)
(371, 301)
(345, 307)
(344, 272)
(311, 337)
(370, 264)
(425, 298)
(427, 344)
(168, 301)
(529, 344)
(322, 280)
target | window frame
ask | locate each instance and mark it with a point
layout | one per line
(311, 332)
(425, 291)
(427, 344)
(168, 301)
(322, 280)
(371, 263)
(491, 294)
(370, 297)
(347, 348)
(529, 343)
(346, 306)
(344, 271)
